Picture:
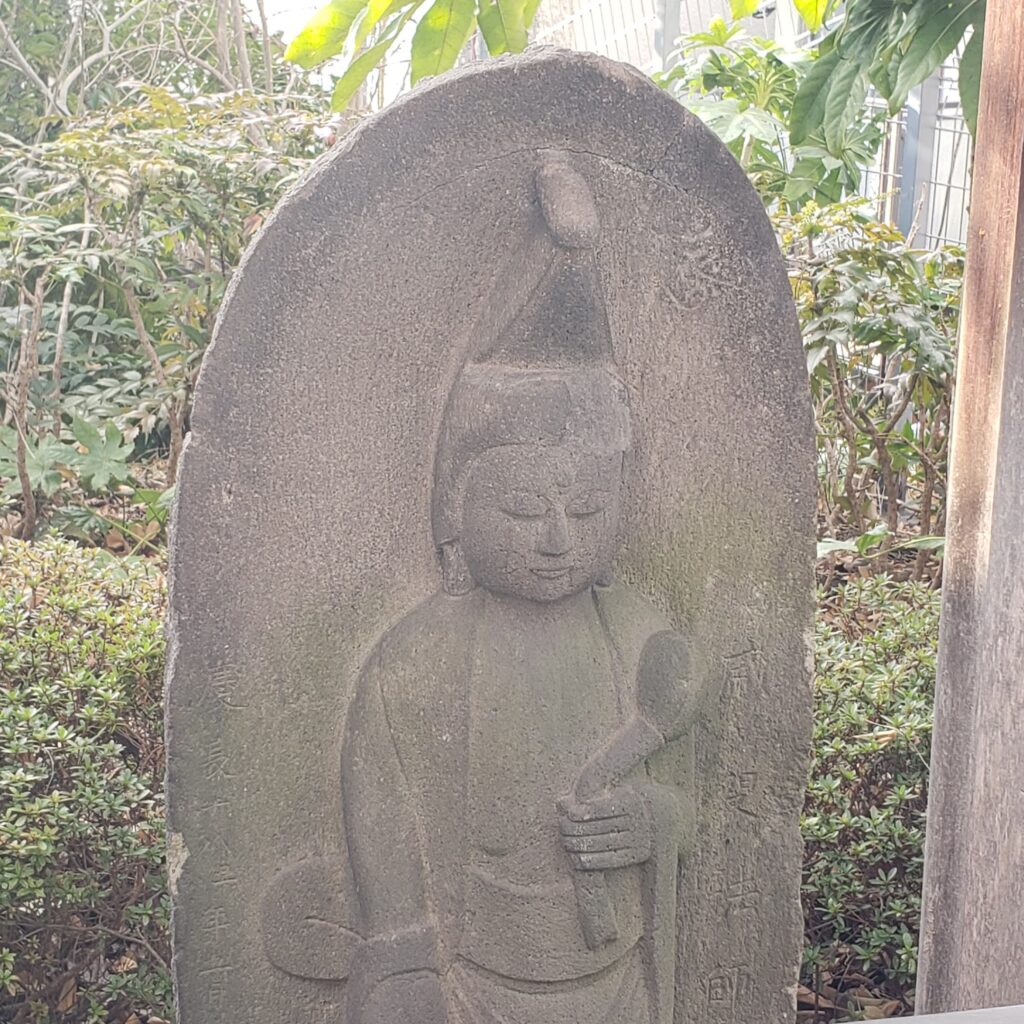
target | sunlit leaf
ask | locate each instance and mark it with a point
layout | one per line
(356, 73)
(324, 34)
(970, 77)
(503, 25)
(376, 12)
(742, 8)
(812, 12)
(440, 36)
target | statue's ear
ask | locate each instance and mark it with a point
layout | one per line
(455, 570)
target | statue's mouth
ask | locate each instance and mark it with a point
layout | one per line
(552, 573)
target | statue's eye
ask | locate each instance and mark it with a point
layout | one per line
(524, 506)
(587, 504)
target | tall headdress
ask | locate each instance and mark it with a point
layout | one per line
(540, 369)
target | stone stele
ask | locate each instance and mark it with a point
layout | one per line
(489, 697)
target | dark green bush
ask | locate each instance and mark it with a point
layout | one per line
(83, 909)
(865, 812)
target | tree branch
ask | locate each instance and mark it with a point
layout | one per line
(19, 58)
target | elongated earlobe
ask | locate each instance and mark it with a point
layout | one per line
(454, 569)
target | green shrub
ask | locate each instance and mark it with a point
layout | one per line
(865, 812)
(83, 927)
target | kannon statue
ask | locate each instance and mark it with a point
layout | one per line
(513, 826)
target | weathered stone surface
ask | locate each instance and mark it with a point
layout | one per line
(489, 695)
(1003, 1015)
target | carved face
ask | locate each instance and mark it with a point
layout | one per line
(540, 522)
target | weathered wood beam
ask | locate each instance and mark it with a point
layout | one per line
(972, 951)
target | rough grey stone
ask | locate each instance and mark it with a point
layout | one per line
(492, 580)
(1003, 1015)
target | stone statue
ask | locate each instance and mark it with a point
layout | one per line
(514, 855)
(492, 579)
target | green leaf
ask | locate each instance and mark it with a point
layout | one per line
(503, 25)
(355, 74)
(105, 457)
(743, 8)
(812, 12)
(530, 11)
(440, 36)
(847, 89)
(376, 12)
(970, 77)
(808, 113)
(804, 179)
(324, 34)
(86, 434)
(935, 38)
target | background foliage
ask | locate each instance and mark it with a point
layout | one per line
(863, 823)
(879, 322)
(744, 89)
(83, 933)
(117, 238)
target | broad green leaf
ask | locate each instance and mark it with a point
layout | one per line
(934, 40)
(847, 90)
(440, 36)
(743, 8)
(355, 74)
(106, 455)
(866, 28)
(812, 12)
(806, 176)
(970, 77)
(324, 34)
(86, 434)
(503, 25)
(808, 113)
(530, 11)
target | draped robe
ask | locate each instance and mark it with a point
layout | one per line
(471, 718)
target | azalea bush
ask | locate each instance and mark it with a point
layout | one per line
(864, 818)
(83, 901)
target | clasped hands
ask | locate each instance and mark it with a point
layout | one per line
(615, 830)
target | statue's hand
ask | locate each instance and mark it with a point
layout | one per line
(414, 998)
(611, 831)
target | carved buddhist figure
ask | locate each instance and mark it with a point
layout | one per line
(514, 843)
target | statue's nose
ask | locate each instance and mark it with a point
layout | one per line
(554, 534)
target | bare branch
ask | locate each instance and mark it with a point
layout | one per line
(268, 67)
(241, 44)
(28, 366)
(19, 58)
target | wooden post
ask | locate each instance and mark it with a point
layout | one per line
(972, 951)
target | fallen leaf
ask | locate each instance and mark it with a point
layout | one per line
(68, 996)
(115, 542)
(123, 965)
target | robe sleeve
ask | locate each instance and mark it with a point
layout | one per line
(383, 834)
